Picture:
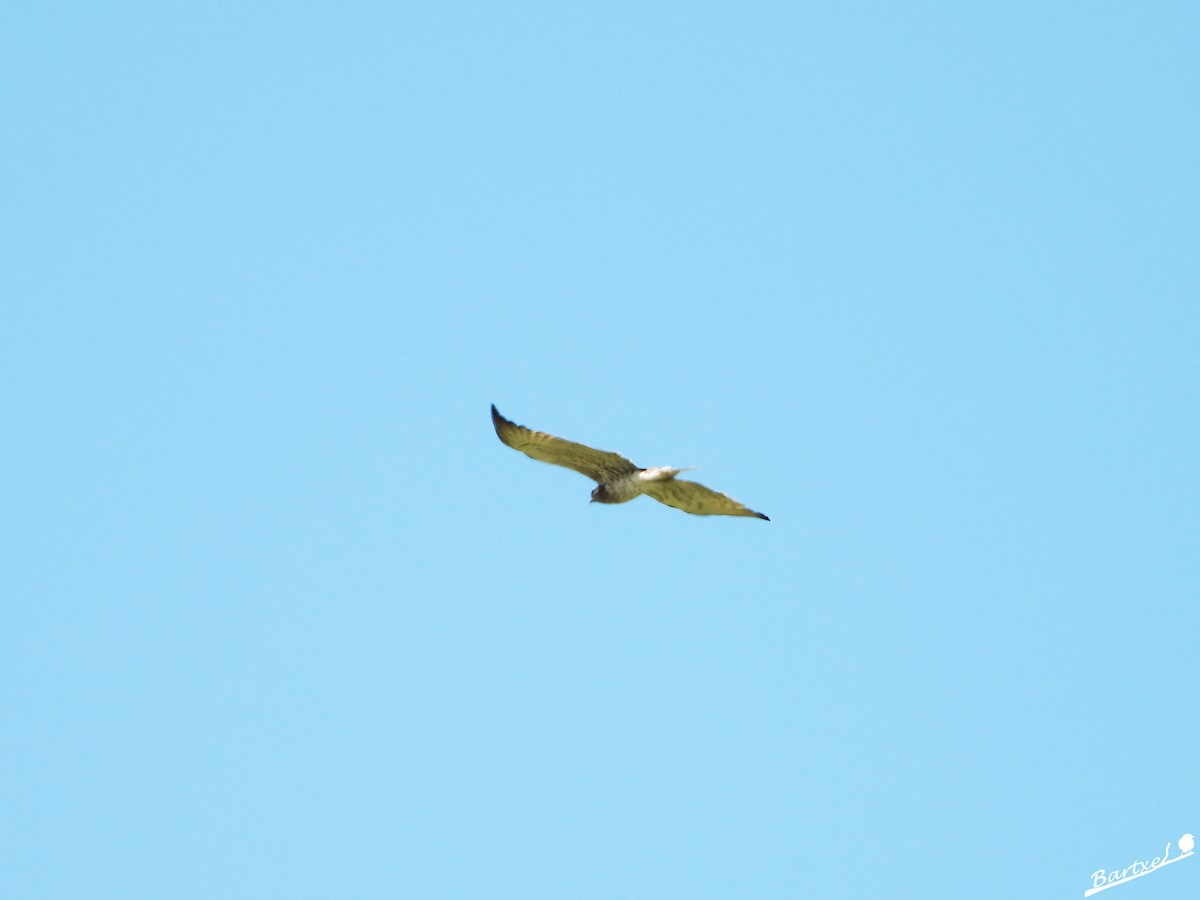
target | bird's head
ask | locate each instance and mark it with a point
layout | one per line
(600, 494)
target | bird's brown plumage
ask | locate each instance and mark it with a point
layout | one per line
(695, 498)
(619, 477)
(598, 465)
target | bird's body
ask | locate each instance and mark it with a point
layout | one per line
(618, 480)
(624, 488)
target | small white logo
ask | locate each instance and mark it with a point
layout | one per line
(1102, 880)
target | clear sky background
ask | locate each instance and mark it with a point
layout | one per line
(282, 618)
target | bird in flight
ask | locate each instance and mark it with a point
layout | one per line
(619, 480)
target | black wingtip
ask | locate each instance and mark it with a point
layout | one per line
(761, 516)
(502, 426)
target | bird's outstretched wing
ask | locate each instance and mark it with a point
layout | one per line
(696, 499)
(597, 465)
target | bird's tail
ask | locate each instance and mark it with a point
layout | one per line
(664, 473)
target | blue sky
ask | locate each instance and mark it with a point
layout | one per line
(283, 617)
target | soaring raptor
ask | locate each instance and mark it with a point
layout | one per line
(618, 479)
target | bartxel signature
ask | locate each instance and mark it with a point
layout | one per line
(1102, 880)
